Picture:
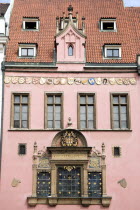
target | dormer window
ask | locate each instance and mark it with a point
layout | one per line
(30, 24)
(70, 50)
(27, 50)
(112, 51)
(108, 24)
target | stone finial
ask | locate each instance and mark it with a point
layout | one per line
(57, 24)
(70, 9)
(83, 24)
(103, 148)
(35, 147)
(69, 122)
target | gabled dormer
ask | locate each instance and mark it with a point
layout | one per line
(70, 40)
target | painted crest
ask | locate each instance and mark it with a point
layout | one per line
(91, 81)
(70, 81)
(69, 139)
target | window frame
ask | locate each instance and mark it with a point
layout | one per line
(108, 20)
(34, 20)
(27, 46)
(112, 47)
(61, 113)
(12, 111)
(94, 112)
(119, 104)
(19, 149)
(113, 152)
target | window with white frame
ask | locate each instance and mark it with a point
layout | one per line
(108, 24)
(112, 51)
(30, 24)
(27, 50)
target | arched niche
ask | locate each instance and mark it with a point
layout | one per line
(69, 138)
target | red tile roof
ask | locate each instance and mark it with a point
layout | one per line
(3, 8)
(93, 10)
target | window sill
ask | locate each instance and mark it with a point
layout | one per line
(30, 57)
(53, 201)
(108, 30)
(112, 58)
(93, 130)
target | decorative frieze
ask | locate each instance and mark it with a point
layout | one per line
(70, 81)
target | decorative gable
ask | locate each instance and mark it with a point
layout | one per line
(70, 41)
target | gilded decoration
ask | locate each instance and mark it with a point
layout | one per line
(70, 81)
(94, 162)
(44, 162)
(69, 168)
(69, 139)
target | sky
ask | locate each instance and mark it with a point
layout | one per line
(128, 3)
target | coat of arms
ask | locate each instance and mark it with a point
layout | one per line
(69, 139)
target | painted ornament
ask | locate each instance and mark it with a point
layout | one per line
(126, 81)
(98, 81)
(35, 81)
(119, 81)
(105, 81)
(63, 81)
(133, 81)
(112, 81)
(84, 81)
(7, 80)
(77, 81)
(42, 81)
(70, 81)
(28, 80)
(14, 80)
(56, 81)
(91, 81)
(21, 80)
(49, 81)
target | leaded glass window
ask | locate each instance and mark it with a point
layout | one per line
(69, 182)
(87, 111)
(20, 111)
(94, 184)
(70, 50)
(120, 115)
(43, 184)
(54, 111)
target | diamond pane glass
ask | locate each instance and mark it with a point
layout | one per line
(16, 123)
(24, 124)
(16, 108)
(69, 182)
(82, 124)
(90, 124)
(116, 124)
(123, 100)
(43, 184)
(94, 184)
(82, 109)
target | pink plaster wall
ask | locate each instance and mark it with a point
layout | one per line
(20, 167)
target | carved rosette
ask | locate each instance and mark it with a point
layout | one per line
(69, 139)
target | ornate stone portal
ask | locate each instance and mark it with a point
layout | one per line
(67, 160)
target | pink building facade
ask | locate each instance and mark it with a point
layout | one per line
(71, 104)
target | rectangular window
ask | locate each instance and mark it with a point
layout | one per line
(27, 52)
(94, 184)
(22, 149)
(31, 24)
(86, 107)
(69, 182)
(43, 184)
(20, 111)
(54, 111)
(108, 24)
(112, 51)
(116, 151)
(120, 113)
